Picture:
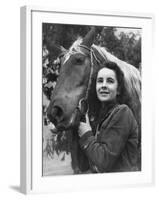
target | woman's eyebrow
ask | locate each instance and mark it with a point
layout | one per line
(100, 78)
(110, 78)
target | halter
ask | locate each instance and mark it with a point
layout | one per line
(85, 98)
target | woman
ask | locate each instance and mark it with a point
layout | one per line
(113, 146)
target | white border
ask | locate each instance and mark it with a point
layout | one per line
(31, 118)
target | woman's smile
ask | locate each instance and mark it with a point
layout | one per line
(104, 93)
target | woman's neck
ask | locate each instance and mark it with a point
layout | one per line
(108, 104)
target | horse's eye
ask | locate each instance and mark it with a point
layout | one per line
(79, 60)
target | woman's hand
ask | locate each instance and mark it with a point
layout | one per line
(84, 127)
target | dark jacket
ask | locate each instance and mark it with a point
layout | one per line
(114, 147)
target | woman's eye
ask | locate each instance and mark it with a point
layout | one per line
(110, 80)
(99, 80)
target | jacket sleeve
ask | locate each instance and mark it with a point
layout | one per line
(106, 151)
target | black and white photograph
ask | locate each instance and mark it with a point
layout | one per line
(91, 99)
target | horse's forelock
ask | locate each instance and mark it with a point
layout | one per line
(75, 45)
(75, 48)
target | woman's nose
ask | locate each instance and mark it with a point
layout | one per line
(104, 85)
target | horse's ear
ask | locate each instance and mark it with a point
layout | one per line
(89, 38)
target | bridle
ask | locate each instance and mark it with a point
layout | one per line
(82, 108)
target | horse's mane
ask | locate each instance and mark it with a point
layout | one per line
(75, 48)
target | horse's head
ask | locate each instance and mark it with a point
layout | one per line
(66, 104)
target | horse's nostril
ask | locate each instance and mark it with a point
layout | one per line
(57, 112)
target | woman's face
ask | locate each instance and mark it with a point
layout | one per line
(106, 85)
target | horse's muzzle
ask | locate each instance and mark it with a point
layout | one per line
(55, 114)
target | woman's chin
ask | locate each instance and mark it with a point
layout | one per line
(103, 99)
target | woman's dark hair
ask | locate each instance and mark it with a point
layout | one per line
(122, 97)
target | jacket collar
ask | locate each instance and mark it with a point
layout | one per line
(106, 109)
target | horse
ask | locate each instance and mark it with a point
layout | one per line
(74, 92)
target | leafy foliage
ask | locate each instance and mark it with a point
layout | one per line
(125, 46)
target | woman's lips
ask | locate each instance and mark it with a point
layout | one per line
(104, 92)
